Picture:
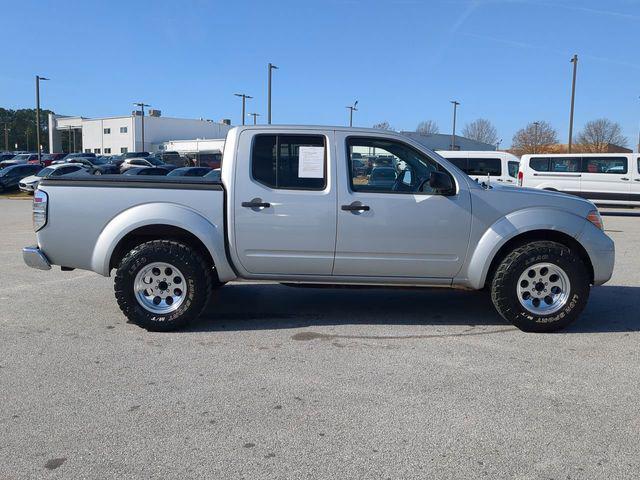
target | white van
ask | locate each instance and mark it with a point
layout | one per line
(481, 164)
(604, 178)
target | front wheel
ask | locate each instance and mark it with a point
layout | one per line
(541, 287)
(162, 285)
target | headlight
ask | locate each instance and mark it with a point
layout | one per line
(40, 201)
(594, 217)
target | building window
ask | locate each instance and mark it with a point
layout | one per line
(107, 131)
(87, 150)
(124, 149)
(96, 150)
(107, 150)
(123, 130)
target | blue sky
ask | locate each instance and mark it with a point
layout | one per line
(507, 61)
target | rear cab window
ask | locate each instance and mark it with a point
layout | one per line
(275, 161)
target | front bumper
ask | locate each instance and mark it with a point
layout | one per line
(601, 250)
(35, 258)
(27, 187)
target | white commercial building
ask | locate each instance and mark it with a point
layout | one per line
(115, 135)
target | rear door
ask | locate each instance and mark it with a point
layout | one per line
(606, 178)
(285, 202)
(397, 229)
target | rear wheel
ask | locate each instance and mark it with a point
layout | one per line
(541, 287)
(162, 285)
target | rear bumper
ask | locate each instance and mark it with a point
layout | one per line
(35, 258)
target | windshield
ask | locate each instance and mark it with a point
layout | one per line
(97, 161)
(45, 172)
(22, 156)
(154, 161)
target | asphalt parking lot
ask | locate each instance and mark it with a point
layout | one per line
(276, 382)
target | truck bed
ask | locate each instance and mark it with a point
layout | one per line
(88, 213)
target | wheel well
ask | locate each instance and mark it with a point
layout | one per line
(154, 232)
(533, 236)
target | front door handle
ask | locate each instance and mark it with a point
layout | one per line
(355, 207)
(625, 179)
(256, 203)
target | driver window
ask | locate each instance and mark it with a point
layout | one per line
(387, 166)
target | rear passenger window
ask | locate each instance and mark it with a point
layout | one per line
(275, 162)
(614, 165)
(513, 169)
(484, 166)
(539, 164)
(565, 164)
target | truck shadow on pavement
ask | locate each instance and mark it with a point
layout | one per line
(237, 307)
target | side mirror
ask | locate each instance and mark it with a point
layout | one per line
(441, 183)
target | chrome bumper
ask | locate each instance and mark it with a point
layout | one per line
(34, 258)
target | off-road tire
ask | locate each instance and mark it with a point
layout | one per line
(198, 275)
(504, 284)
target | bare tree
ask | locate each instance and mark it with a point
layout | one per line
(598, 134)
(427, 127)
(536, 137)
(383, 126)
(481, 130)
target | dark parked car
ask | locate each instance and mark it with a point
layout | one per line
(70, 156)
(10, 177)
(95, 166)
(205, 159)
(135, 155)
(189, 172)
(147, 171)
(171, 158)
(6, 156)
(19, 159)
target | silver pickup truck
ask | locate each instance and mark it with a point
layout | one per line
(323, 205)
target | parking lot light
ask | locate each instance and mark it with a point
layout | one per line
(38, 147)
(244, 97)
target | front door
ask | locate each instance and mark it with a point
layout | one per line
(392, 224)
(284, 204)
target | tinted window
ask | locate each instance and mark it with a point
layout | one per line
(613, 165)
(461, 163)
(274, 161)
(564, 164)
(539, 164)
(408, 172)
(513, 169)
(484, 166)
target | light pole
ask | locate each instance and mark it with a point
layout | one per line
(574, 60)
(453, 131)
(535, 136)
(638, 137)
(141, 105)
(70, 150)
(498, 144)
(6, 137)
(271, 67)
(38, 79)
(352, 108)
(244, 100)
(255, 116)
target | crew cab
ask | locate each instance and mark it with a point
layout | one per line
(290, 207)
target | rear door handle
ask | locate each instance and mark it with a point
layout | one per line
(636, 179)
(256, 203)
(625, 179)
(355, 207)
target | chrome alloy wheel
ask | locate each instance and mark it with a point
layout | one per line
(160, 288)
(543, 288)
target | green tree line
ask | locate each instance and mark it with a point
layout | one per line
(20, 133)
